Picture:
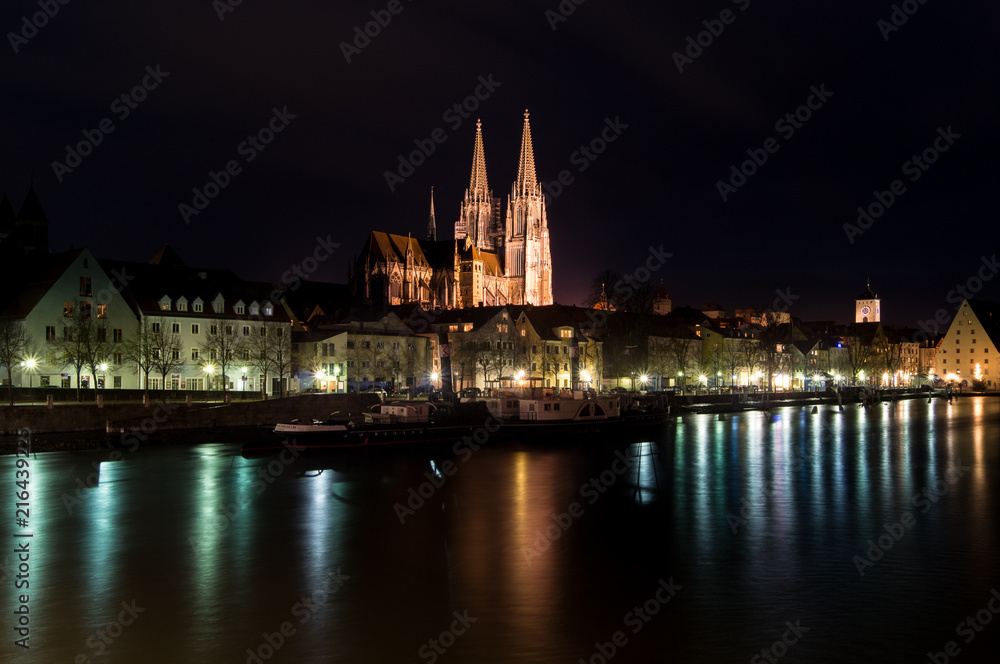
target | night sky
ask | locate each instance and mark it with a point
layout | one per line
(679, 132)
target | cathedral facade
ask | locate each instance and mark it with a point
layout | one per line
(489, 262)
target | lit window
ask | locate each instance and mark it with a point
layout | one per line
(68, 309)
(268, 310)
(102, 311)
(182, 306)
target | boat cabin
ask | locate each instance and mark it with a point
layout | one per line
(407, 412)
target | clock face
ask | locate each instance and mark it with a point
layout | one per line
(865, 310)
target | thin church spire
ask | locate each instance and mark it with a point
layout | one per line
(478, 186)
(431, 225)
(527, 181)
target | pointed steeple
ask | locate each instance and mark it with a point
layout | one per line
(31, 208)
(431, 226)
(478, 186)
(527, 181)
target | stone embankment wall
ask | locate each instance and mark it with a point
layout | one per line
(177, 415)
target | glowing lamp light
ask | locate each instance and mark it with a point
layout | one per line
(519, 375)
(585, 376)
(434, 376)
(643, 379)
(30, 363)
(319, 374)
(978, 373)
(209, 369)
(103, 366)
(702, 379)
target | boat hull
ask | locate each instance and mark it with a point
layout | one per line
(401, 436)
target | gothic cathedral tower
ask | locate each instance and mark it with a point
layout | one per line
(867, 308)
(480, 214)
(527, 259)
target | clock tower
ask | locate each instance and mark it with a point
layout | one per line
(867, 307)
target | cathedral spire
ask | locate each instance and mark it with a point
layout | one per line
(527, 181)
(431, 226)
(478, 186)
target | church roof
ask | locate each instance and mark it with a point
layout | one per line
(661, 294)
(868, 294)
(31, 208)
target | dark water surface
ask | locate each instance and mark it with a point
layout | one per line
(713, 542)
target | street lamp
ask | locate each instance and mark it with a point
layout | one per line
(28, 365)
(434, 376)
(209, 370)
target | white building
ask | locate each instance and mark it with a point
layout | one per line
(73, 296)
(968, 351)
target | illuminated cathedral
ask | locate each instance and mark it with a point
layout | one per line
(490, 262)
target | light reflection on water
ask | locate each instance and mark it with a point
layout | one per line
(219, 557)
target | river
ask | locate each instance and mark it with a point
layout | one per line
(854, 536)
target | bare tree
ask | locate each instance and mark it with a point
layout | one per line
(139, 350)
(268, 353)
(859, 356)
(98, 347)
(166, 348)
(15, 346)
(224, 344)
(71, 349)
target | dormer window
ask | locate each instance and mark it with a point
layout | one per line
(182, 304)
(165, 304)
(268, 310)
(198, 306)
(254, 309)
(239, 309)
